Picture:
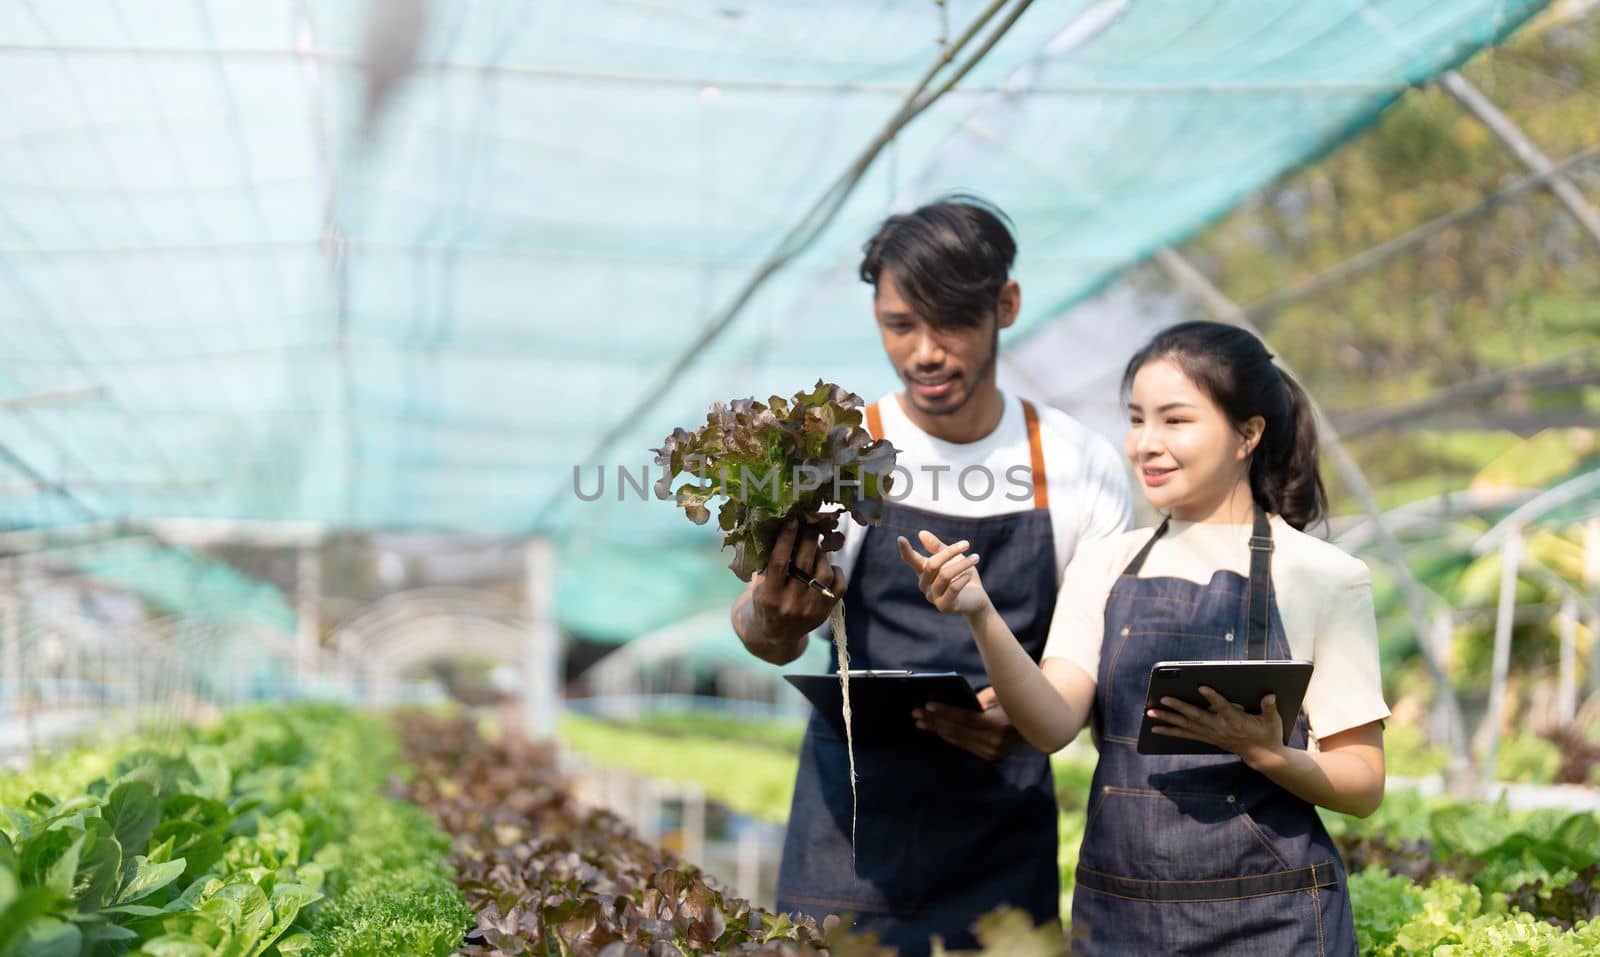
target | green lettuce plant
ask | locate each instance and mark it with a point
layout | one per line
(265, 835)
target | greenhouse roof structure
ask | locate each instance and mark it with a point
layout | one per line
(265, 261)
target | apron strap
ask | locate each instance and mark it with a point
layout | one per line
(1259, 597)
(1041, 488)
(1260, 594)
(1138, 560)
(874, 421)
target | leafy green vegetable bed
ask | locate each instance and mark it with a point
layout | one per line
(1428, 872)
(1480, 865)
(267, 834)
(1396, 916)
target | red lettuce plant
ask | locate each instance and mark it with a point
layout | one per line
(775, 461)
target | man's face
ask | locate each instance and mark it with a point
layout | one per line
(942, 367)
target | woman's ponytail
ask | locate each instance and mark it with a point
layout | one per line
(1284, 474)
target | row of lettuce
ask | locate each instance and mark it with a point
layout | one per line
(267, 833)
(317, 831)
(1478, 877)
(545, 875)
(1429, 876)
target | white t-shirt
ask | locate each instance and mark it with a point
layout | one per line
(1087, 483)
(1324, 599)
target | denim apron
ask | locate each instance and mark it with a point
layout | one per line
(942, 837)
(1198, 854)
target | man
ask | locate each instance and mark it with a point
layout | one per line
(966, 821)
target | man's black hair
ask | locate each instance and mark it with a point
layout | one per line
(949, 258)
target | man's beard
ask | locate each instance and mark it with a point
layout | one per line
(971, 383)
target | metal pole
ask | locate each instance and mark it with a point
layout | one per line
(1446, 727)
(52, 397)
(308, 613)
(1591, 584)
(1567, 684)
(694, 823)
(1510, 559)
(541, 666)
(749, 866)
(1473, 100)
(10, 638)
(1226, 310)
(647, 805)
(30, 702)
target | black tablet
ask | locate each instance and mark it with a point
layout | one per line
(881, 701)
(1244, 683)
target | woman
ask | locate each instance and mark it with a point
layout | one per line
(1202, 854)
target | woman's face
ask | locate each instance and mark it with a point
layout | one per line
(1187, 455)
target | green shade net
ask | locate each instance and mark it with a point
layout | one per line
(179, 581)
(265, 307)
(613, 592)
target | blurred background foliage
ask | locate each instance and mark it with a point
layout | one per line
(1469, 361)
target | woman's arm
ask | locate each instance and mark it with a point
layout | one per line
(1049, 703)
(1047, 707)
(1346, 775)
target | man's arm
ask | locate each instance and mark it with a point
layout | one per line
(779, 649)
(775, 614)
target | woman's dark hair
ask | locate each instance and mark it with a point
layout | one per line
(950, 258)
(1235, 369)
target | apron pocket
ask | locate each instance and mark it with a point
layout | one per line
(1269, 926)
(1146, 834)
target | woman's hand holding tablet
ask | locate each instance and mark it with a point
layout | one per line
(1222, 707)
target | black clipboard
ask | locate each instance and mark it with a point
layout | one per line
(881, 701)
(1244, 683)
